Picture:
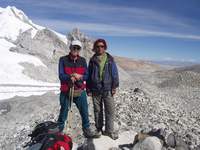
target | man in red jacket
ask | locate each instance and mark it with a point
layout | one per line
(73, 72)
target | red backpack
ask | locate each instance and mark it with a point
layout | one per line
(58, 141)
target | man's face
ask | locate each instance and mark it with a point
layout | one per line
(75, 49)
(100, 48)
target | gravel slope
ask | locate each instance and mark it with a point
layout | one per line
(175, 109)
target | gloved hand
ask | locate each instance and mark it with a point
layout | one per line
(78, 76)
(73, 79)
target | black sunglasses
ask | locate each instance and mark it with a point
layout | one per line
(100, 46)
(76, 48)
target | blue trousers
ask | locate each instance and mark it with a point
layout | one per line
(82, 105)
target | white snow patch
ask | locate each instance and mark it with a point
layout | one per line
(4, 96)
(61, 36)
(11, 72)
(7, 92)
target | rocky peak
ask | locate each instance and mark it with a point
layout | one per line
(87, 42)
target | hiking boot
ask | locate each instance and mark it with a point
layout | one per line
(88, 133)
(112, 135)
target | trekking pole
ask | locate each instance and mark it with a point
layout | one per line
(71, 96)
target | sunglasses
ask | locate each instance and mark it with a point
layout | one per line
(76, 48)
(100, 46)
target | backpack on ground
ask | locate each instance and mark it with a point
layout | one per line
(57, 141)
(42, 129)
(47, 136)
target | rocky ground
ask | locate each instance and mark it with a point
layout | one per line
(148, 107)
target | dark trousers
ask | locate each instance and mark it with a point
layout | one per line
(106, 99)
(82, 105)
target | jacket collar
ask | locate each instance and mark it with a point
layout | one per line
(94, 58)
(71, 58)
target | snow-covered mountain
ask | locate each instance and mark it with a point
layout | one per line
(14, 24)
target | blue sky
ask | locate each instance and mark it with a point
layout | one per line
(141, 29)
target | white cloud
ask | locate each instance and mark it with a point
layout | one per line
(113, 19)
(112, 30)
(106, 12)
(180, 59)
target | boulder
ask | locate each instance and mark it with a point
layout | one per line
(149, 143)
